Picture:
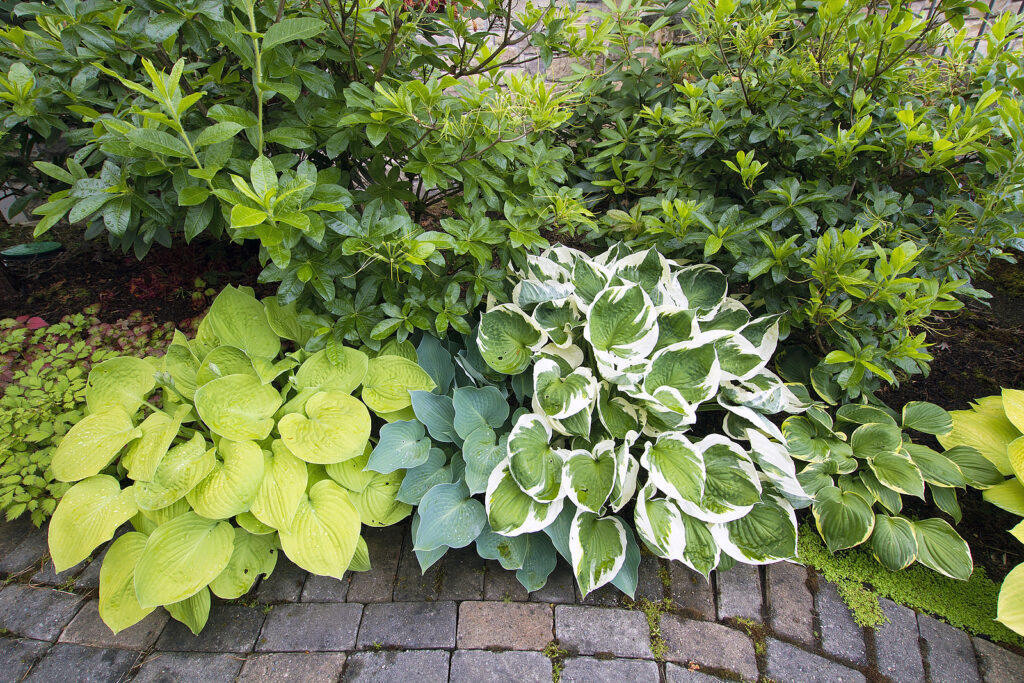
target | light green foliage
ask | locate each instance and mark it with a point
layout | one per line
(216, 479)
(626, 348)
(994, 426)
(861, 464)
(43, 392)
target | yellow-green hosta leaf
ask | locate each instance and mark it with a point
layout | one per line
(508, 339)
(345, 374)
(1013, 406)
(406, 413)
(325, 532)
(989, 432)
(92, 444)
(893, 542)
(193, 611)
(352, 474)
(238, 319)
(253, 525)
(252, 555)
(181, 366)
(238, 407)
(181, 558)
(361, 558)
(282, 489)
(1010, 610)
(158, 432)
(511, 512)
(268, 371)
(844, 519)
(597, 548)
(231, 485)
(284, 320)
(376, 502)
(119, 608)
(119, 383)
(88, 515)
(337, 429)
(1015, 454)
(223, 361)
(1009, 495)
(168, 513)
(388, 381)
(939, 547)
(184, 466)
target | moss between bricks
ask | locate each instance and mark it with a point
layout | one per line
(653, 610)
(557, 656)
(968, 605)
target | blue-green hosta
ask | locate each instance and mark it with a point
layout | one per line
(250, 450)
(861, 464)
(623, 351)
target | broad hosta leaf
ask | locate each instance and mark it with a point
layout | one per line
(123, 383)
(1013, 406)
(765, 534)
(985, 431)
(118, 606)
(622, 323)
(336, 429)
(976, 468)
(597, 546)
(926, 417)
(449, 517)
(510, 511)
(1015, 454)
(1009, 495)
(403, 445)
(388, 381)
(893, 542)
(437, 362)
(898, 472)
(935, 468)
(539, 562)
(88, 515)
(181, 557)
(510, 551)
(238, 407)
(421, 479)
(618, 416)
(875, 439)
(181, 469)
(282, 488)
(659, 521)
(425, 558)
(703, 285)
(158, 432)
(238, 319)
(377, 504)
(224, 361)
(475, 408)
(193, 611)
(508, 338)
(252, 555)
(482, 454)
(532, 463)
(676, 467)
(325, 532)
(181, 365)
(352, 473)
(230, 487)
(247, 521)
(589, 477)
(731, 484)
(344, 373)
(628, 576)
(559, 397)
(1010, 610)
(939, 547)
(683, 375)
(92, 444)
(844, 519)
(437, 413)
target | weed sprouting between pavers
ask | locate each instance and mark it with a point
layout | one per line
(652, 610)
(557, 656)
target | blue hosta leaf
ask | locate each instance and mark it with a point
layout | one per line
(437, 413)
(437, 362)
(475, 408)
(403, 445)
(421, 479)
(449, 517)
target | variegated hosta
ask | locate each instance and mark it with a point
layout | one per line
(250, 450)
(621, 351)
(860, 465)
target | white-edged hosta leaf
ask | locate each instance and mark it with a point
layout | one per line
(738, 358)
(844, 519)
(193, 611)
(449, 517)
(512, 512)
(282, 488)
(589, 476)
(675, 466)
(533, 464)
(939, 547)
(557, 319)
(529, 293)
(589, 280)
(181, 557)
(184, 466)
(622, 323)
(335, 428)
(618, 416)
(238, 407)
(898, 472)
(659, 521)
(88, 514)
(893, 542)
(475, 408)
(703, 285)
(403, 445)
(507, 339)
(123, 382)
(731, 483)
(324, 534)
(860, 414)
(252, 556)
(765, 534)
(92, 444)
(926, 417)
(626, 471)
(388, 381)
(874, 439)
(683, 375)
(561, 396)
(597, 547)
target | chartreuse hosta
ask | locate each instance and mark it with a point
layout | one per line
(995, 426)
(861, 464)
(250, 450)
(621, 353)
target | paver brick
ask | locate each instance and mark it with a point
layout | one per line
(26, 554)
(681, 674)
(87, 628)
(649, 578)
(48, 575)
(690, 591)
(463, 575)
(412, 584)
(708, 644)
(896, 644)
(502, 584)
(284, 584)
(189, 667)
(590, 670)
(789, 602)
(560, 588)
(66, 662)
(997, 664)
(947, 651)
(13, 533)
(230, 628)
(416, 625)
(595, 630)
(17, 655)
(40, 613)
(841, 637)
(385, 546)
(787, 662)
(739, 592)
(511, 626)
(325, 588)
(605, 596)
(473, 666)
(391, 666)
(319, 667)
(310, 627)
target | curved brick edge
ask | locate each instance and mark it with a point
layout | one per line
(466, 618)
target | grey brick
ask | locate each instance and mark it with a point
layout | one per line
(560, 588)
(896, 645)
(997, 664)
(284, 584)
(318, 667)
(681, 674)
(649, 583)
(789, 602)
(948, 651)
(605, 596)
(231, 628)
(48, 575)
(473, 666)
(90, 576)
(590, 670)
(188, 667)
(325, 588)
(595, 630)
(707, 644)
(87, 628)
(376, 585)
(40, 613)
(511, 626)
(789, 663)
(502, 584)
(82, 665)
(841, 637)
(313, 627)
(411, 584)
(413, 666)
(27, 554)
(463, 575)
(13, 533)
(690, 591)
(739, 592)
(17, 655)
(416, 625)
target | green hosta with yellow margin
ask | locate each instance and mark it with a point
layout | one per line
(250, 449)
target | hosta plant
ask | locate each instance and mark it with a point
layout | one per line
(623, 354)
(995, 426)
(861, 464)
(243, 450)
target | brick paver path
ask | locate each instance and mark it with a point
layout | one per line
(469, 620)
